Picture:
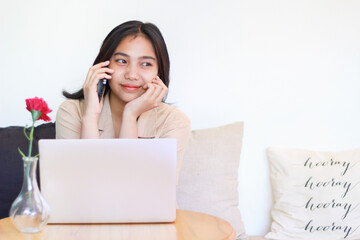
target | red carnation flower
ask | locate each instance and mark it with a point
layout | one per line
(38, 108)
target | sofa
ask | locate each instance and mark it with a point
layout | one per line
(316, 194)
(207, 183)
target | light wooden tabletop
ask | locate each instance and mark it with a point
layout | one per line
(188, 225)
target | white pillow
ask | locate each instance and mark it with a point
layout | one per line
(316, 194)
(208, 180)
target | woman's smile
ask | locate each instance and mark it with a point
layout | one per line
(130, 88)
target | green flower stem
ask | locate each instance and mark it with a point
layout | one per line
(31, 139)
(26, 134)
(29, 155)
(22, 154)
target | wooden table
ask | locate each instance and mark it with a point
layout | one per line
(188, 225)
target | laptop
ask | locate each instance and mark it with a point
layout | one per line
(109, 180)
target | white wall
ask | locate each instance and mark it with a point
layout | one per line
(289, 69)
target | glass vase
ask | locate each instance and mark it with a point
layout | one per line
(29, 211)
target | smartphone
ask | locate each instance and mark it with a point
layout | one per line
(101, 88)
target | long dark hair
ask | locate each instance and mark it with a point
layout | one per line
(114, 38)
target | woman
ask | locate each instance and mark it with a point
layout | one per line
(134, 60)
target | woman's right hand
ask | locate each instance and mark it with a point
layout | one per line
(92, 105)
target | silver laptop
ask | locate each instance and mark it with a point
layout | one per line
(109, 180)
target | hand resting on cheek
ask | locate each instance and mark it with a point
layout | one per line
(151, 98)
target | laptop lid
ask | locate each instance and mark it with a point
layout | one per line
(109, 180)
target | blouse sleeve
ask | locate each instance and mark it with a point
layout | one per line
(68, 120)
(177, 126)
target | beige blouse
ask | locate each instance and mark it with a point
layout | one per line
(162, 122)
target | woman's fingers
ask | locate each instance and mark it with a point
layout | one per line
(154, 93)
(155, 90)
(97, 72)
(161, 89)
(103, 70)
(161, 96)
(158, 91)
(159, 82)
(100, 73)
(95, 67)
(150, 88)
(100, 65)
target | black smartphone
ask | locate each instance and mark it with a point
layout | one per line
(101, 88)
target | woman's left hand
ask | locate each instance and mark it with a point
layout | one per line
(155, 93)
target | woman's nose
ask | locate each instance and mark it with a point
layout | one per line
(131, 73)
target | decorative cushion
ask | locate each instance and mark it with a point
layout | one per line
(316, 194)
(11, 165)
(208, 179)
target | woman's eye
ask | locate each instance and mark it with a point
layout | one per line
(121, 61)
(146, 64)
